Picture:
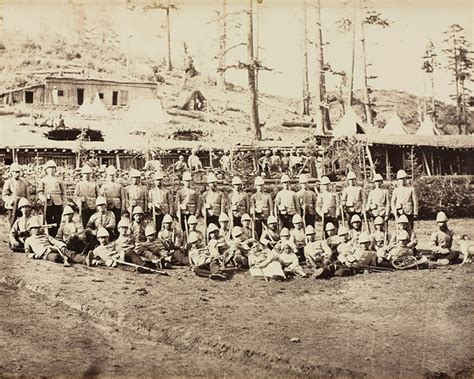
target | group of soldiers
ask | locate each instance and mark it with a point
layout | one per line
(214, 232)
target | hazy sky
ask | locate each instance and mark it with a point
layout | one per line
(394, 53)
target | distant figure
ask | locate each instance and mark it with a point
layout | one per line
(180, 165)
(225, 162)
(194, 162)
(54, 96)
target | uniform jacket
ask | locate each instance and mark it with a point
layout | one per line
(162, 199)
(14, 188)
(378, 203)
(213, 202)
(137, 230)
(327, 204)
(442, 239)
(352, 198)
(86, 192)
(167, 235)
(413, 239)
(317, 249)
(136, 195)
(187, 201)
(298, 237)
(239, 203)
(261, 204)
(39, 246)
(404, 198)
(269, 238)
(114, 193)
(53, 189)
(67, 230)
(308, 200)
(105, 220)
(289, 200)
(19, 230)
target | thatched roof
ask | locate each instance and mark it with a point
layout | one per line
(442, 142)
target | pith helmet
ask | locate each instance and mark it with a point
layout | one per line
(102, 232)
(355, 218)
(325, 180)
(123, 223)
(377, 178)
(35, 222)
(303, 179)
(223, 217)
(285, 232)
(100, 201)
(284, 178)
(401, 174)
(246, 217)
(212, 228)
(403, 235)
(167, 219)
(403, 219)
(51, 163)
(134, 173)
(309, 230)
(364, 238)
(236, 231)
(211, 178)
(24, 202)
(186, 176)
(192, 220)
(297, 219)
(137, 210)
(441, 217)
(329, 226)
(111, 170)
(342, 231)
(86, 169)
(158, 175)
(236, 181)
(351, 176)
(67, 210)
(259, 181)
(193, 237)
(150, 230)
(272, 220)
(15, 167)
(378, 220)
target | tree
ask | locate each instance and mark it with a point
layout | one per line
(429, 65)
(460, 62)
(222, 42)
(304, 46)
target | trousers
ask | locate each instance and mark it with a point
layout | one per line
(207, 269)
(53, 216)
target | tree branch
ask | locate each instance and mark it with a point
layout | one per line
(224, 16)
(234, 46)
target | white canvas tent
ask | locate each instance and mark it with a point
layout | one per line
(349, 125)
(394, 126)
(148, 111)
(94, 109)
(427, 128)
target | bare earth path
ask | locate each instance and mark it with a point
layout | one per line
(401, 324)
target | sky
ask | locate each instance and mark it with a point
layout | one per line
(394, 53)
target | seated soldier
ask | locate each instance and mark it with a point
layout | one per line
(101, 219)
(346, 245)
(137, 228)
(380, 236)
(154, 249)
(170, 235)
(271, 234)
(19, 230)
(42, 246)
(297, 236)
(289, 260)
(332, 239)
(205, 263)
(356, 223)
(403, 224)
(213, 240)
(285, 239)
(238, 251)
(264, 262)
(246, 226)
(317, 253)
(107, 253)
(224, 230)
(72, 232)
(441, 242)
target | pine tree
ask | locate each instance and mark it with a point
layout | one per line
(430, 63)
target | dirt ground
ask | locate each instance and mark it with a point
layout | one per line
(84, 321)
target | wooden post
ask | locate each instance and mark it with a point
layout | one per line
(211, 165)
(117, 160)
(371, 161)
(428, 171)
(440, 166)
(412, 153)
(459, 164)
(78, 159)
(363, 162)
(403, 159)
(387, 164)
(14, 157)
(432, 163)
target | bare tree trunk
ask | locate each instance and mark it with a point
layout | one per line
(168, 32)
(463, 103)
(351, 72)
(368, 108)
(433, 101)
(222, 43)
(322, 113)
(456, 79)
(257, 41)
(252, 74)
(304, 44)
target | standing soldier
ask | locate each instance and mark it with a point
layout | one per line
(239, 202)
(286, 203)
(213, 201)
(261, 206)
(85, 194)
(135, 193)
(194, 163)
(225, 161)
(14, 189)
(377, 202)
(160, 201)
(51, 193)
(265, 162)
(404, 199)
(114, 193)
(285, 162)
(187, 201)
(327, 205)
(275, 161)
(351, 199)
(307, 200)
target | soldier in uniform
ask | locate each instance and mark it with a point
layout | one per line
(239, 201)
(286, 203)
(225, 161)
(14, 189)
(138, 225)
(317, 252)
(180, 164)
(275, 161)
(351, 198)
(378, 203)
(441, 242)
(135, 193)
(271, 234)
(265, 162)
(194, 163)
(404, 200)
(404, 224)
(327, 205)
(85, 194)
(308, 200)
(297, 236)
(71, 232)
(224, 230)
(261, 206)
(160, 200)
(213, 201)
(285, 162)
(187, 202)
(100, 219)
(114, 193)
(19, 230)
(51, 193)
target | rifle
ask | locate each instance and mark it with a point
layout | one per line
(323, 235)
(343, 220)
(304, 213)
(375, 268)
(364, 214)
(154, 213)
(14, 211)
(205, 225)
(253, 223)
(140, 268)
(385, 235)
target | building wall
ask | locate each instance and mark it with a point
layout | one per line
(19, 97)
(125, 92)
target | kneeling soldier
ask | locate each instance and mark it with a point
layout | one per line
(72, 232)
(317, 253)
(441, 242)
(19, 230)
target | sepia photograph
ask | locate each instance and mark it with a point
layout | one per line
(236, 189)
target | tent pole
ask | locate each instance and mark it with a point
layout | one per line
(387, 164)
(117, 160)
(428, 171)
(432, 163)
(459, 163)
